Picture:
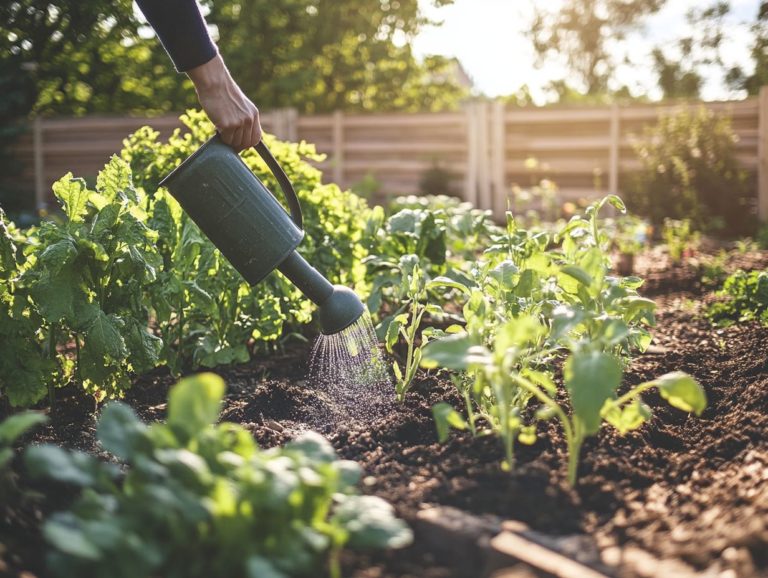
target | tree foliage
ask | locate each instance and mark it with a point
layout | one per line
(736, 77)
(316, 55)
(582, 33)
(679, 71)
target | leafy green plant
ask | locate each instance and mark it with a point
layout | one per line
(27, 368)
(689, 170)
(11, 430)
(680, 238)
(744, 297)
(87, 278)
(528, 305)
(406, 322)
(592, 379)
(198, 499)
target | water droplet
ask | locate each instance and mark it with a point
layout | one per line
(350, 368)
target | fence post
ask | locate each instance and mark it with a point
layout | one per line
(762, 156)
(613, 155)
(498, 159)
(484, 169)
(39, 160)
(338, 148)
(292, 124)
(470, 188)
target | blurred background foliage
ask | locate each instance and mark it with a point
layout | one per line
(95, 56)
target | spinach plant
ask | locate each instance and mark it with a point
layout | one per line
(87, 278)
(27, 370)
(197, 499)
(744, 297)
(536, 299)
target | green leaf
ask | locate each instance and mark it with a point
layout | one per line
(393, 331)
(591, 378)
(103, 337)
(144, 347)
(15, 426)
(438, 282)
(119, 430)
(260, 567)
(57, 255)
(55, 296)
(73, 194)
(577, 273)
(505, 274)
(527, 435)
(313, 446)
(371, 523)
(194, 403)
(453, 352)
(682, 391)
(64, 532)
(626, 418)
(77, 468)
(447, 417)
(115, 177)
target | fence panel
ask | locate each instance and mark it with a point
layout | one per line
(486, 148)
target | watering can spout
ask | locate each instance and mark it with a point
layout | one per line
(250, 228)
(339, 307)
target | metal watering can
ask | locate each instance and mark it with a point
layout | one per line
(245, 222)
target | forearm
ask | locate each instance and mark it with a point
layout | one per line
(181, 29)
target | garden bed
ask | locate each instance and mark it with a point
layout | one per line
(680, 495)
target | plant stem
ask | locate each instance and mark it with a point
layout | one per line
(635, 392)
(572, 440)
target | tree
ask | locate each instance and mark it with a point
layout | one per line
(581, 33)
(318, 55)
(679, 70)
(323, 55)
(736, 77)
(85, 57)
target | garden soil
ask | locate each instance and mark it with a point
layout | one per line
(681, 495)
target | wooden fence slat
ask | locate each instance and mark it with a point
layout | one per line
(762, 155)
(613, 155)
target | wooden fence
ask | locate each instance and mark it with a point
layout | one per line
(486, 147)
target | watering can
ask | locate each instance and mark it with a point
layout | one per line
(252, 230)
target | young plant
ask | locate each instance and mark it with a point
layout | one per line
(592, 379)
(744, 297)
(197, 499)
(681, 240)
(407, 321)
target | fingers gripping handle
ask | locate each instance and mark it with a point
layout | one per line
(284, 182)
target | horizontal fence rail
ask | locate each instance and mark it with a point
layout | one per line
(486, 148)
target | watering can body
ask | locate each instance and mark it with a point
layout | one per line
(234, 209)
(251, 229)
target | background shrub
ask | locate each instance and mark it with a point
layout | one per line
(689, 170)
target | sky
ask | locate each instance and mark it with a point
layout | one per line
(487, 36)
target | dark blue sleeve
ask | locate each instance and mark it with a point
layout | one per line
(182, 31)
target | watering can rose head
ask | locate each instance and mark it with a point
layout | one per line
(245, 222)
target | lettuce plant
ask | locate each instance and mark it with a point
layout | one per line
(191, 498)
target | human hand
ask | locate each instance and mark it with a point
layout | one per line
(232, 113)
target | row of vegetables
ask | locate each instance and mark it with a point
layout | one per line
(124, 282)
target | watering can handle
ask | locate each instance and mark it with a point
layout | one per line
(284, 182)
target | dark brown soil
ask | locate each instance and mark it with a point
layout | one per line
(680, 495)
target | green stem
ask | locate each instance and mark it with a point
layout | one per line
(334, 562)
(631, 394)
(573, 440)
